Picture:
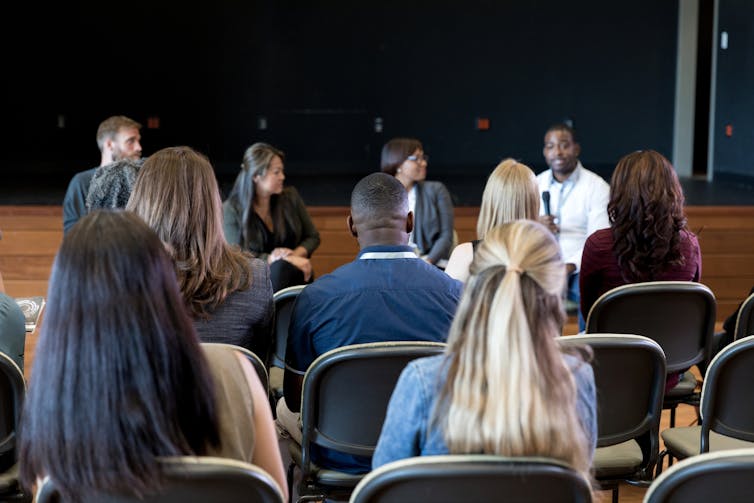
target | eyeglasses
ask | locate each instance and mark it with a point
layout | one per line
(417, 158)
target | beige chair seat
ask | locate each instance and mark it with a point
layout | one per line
(617, 459)
(684, 442)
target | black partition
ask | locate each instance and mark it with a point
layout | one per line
(330, 81)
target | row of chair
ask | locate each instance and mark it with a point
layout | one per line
(349, 419)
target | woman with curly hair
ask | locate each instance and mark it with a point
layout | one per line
(648, 239)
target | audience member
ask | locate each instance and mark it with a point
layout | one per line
(227, 291)
(577, 201)
(12, 327)
(430, 202)
(511, 193)
(648, 239)
(386, 294)
(504, 385)
(271, 221)
(120, 378)
(111, 185)
(117, 138)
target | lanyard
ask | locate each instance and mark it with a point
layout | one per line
(387, 255)
(563, 196)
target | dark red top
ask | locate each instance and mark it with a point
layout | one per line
(600, 272)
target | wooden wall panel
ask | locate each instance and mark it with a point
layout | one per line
(32, 235)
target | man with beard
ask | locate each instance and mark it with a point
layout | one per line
(576, 204)
(118, 139)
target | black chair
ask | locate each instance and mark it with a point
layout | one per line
(628, 409)
(720, 476)
(344, 400)
(256, 362)
(284, 300)
(726, 406)
(745, 319)
(679, 315)
(12, 394)
(193, 480)
(473, 478)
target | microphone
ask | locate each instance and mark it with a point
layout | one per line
(546, 200)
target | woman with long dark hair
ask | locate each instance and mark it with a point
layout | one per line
(120, 378)
(270, 220)
(504, 385)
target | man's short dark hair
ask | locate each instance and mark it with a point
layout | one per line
(379, 196)
(562, 126)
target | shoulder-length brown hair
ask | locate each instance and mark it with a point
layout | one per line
(646, 215)
(176, 194)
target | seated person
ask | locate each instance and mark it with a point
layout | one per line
(387, 294)
(12, 328)
(648, 239)
(227, 291)
(111, 184)
(120, 378)
(118, 138)
(270, 221)
(511, 193)
(504, 386)
(430, 202)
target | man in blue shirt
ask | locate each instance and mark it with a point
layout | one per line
(387, 294)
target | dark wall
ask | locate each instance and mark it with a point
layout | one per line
(734, 98)
(320, 73)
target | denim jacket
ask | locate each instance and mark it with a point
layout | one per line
(407, 431)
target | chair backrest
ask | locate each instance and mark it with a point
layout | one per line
(726, 404)
(255, 361)
(283, 300)
(192, 480)
(679, 315)
(472, 478)
(715, 476)
(346, 392)
(629, 376)
(745, 319)
(12, 395)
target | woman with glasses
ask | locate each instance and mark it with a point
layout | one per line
(430, 202)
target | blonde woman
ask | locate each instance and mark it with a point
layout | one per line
(503, 387)
(227, 291)
(511, 193)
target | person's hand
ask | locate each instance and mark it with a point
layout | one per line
(279, 253)
(302, 263)
(549, 222)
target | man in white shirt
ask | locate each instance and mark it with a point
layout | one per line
(577, 201)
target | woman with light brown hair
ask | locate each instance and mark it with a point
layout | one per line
(503, 386)
(227, 291)
(511, 193)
